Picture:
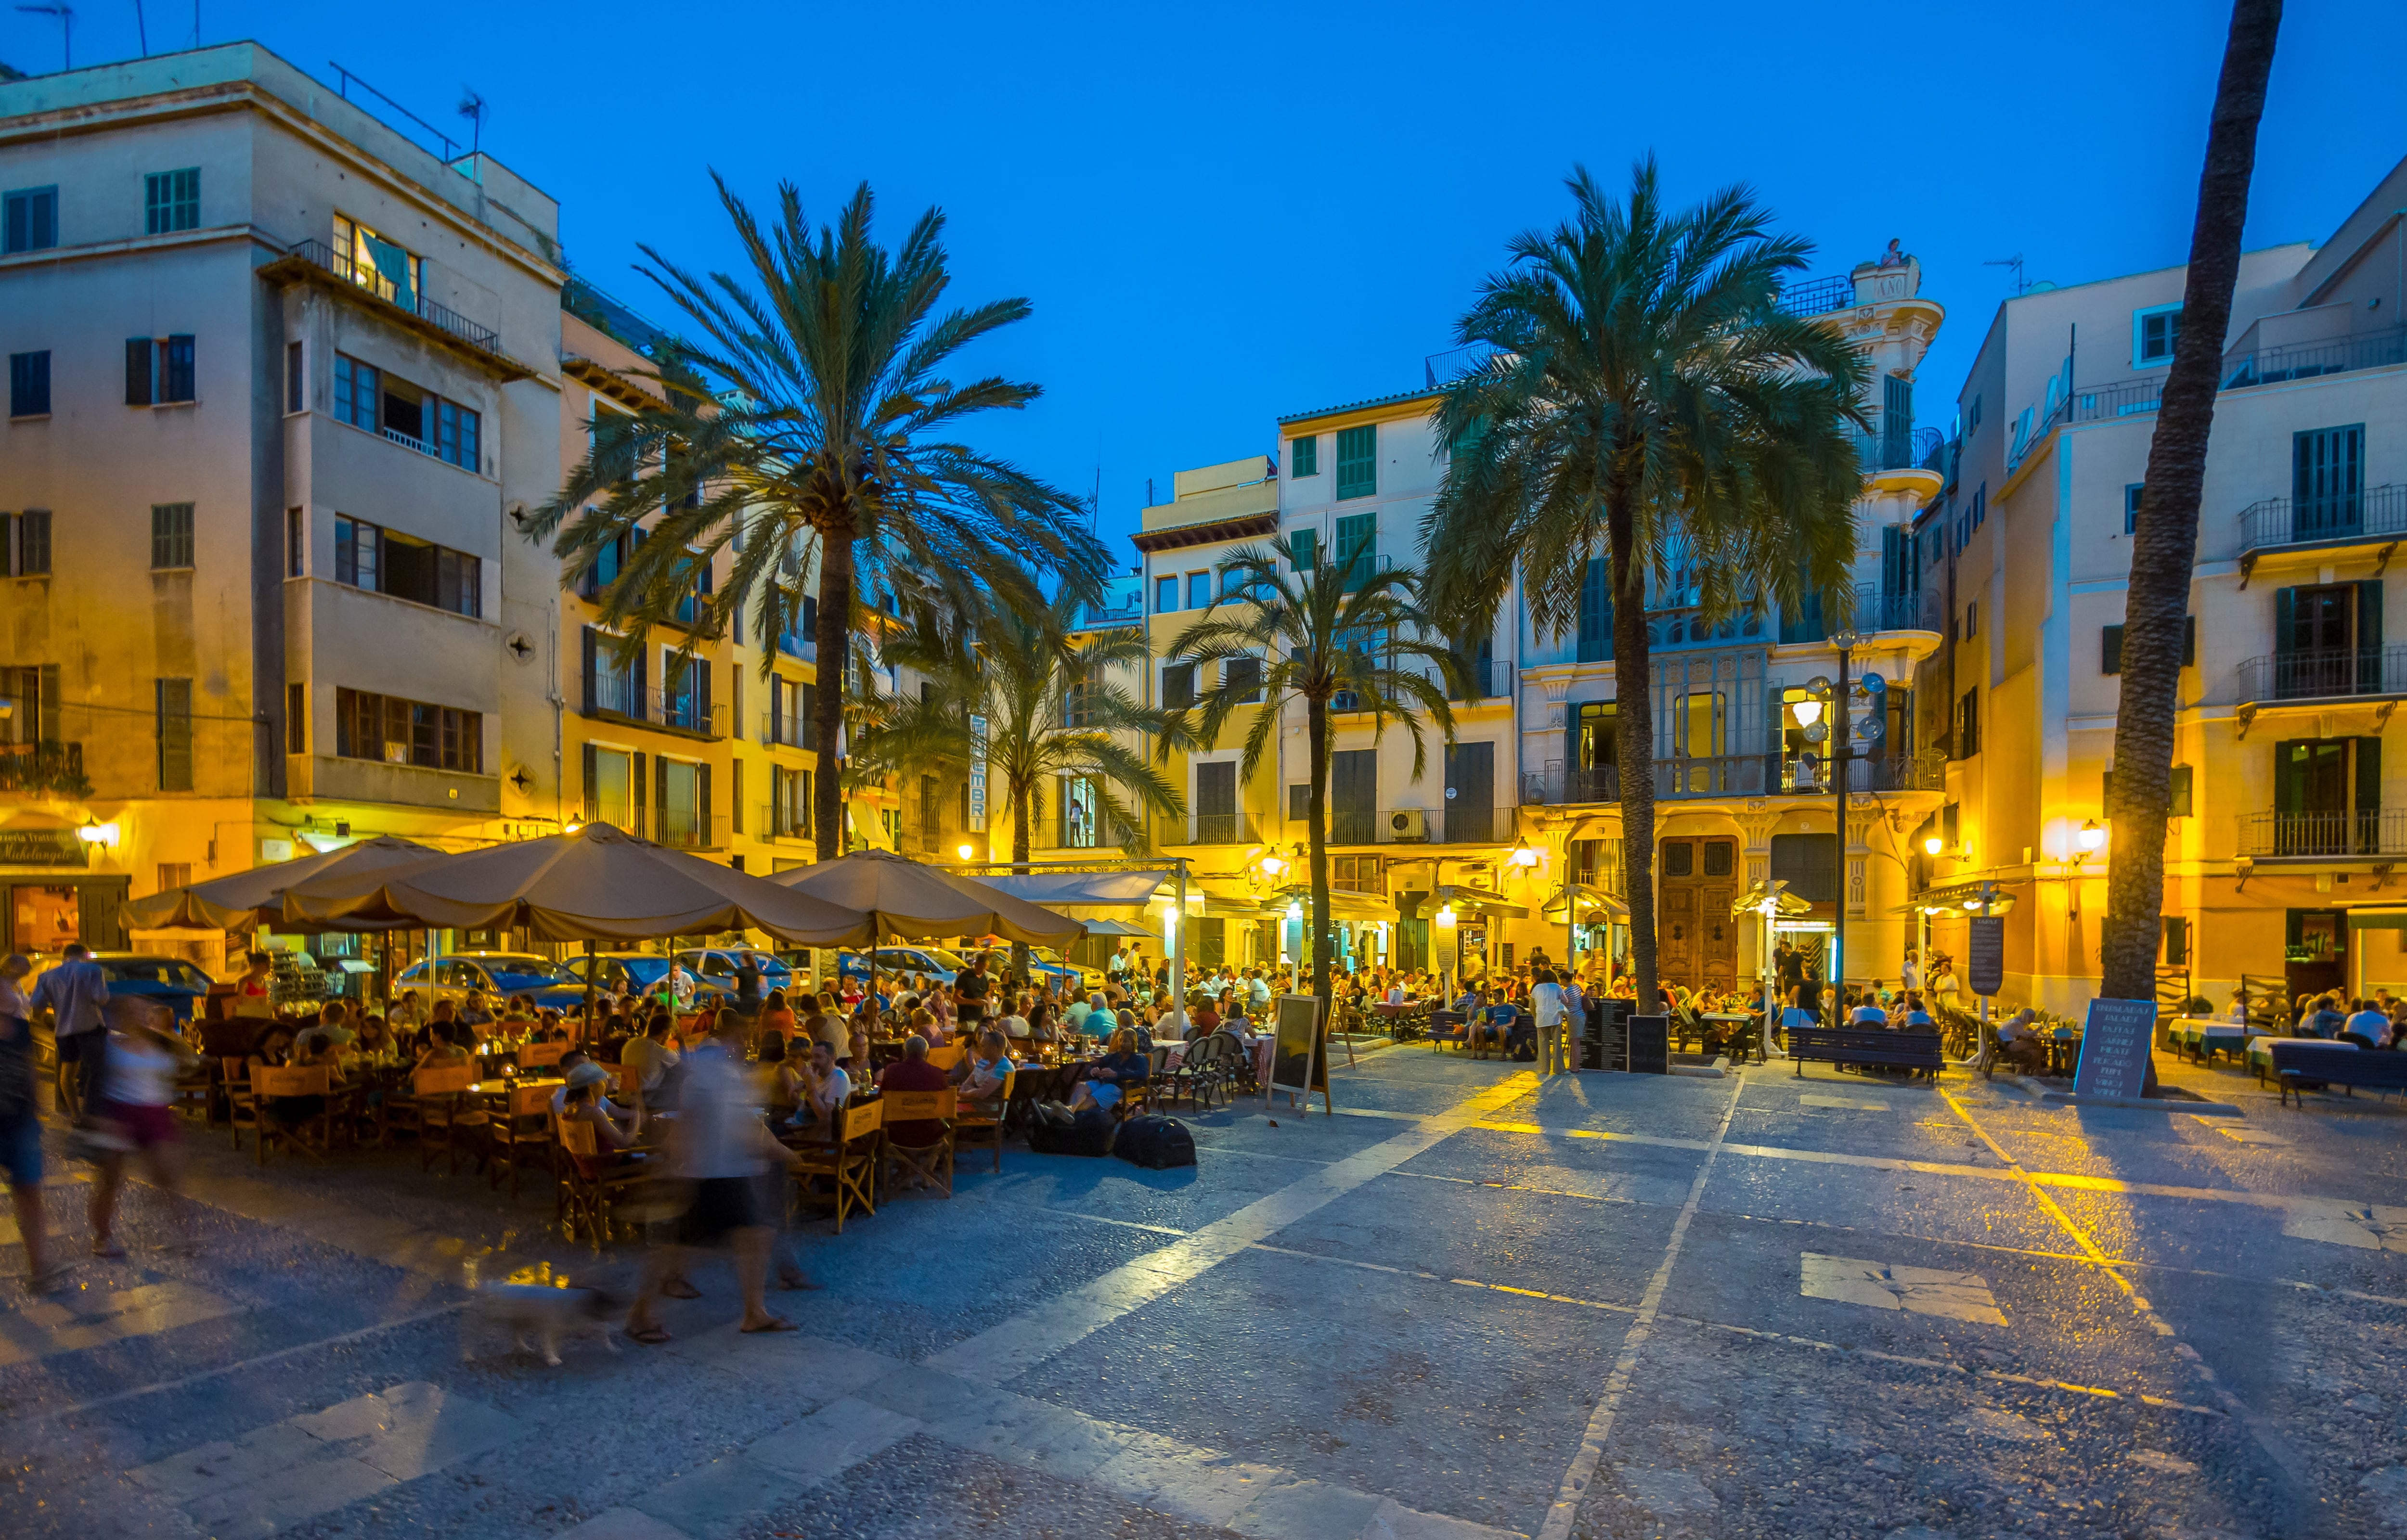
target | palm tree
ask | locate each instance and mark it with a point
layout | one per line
(1648, 396)
(1333, 638)
(810, 422)
(1051, 707)
(2165, 543)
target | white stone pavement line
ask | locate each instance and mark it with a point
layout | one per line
(1560, 1518)
(2269, 1439)
(870, 1403)
(87, 1318)
(290, 1471)
(1004, 1352)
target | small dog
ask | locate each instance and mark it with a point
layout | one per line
(550, 1313)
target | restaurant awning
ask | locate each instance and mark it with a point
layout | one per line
(1959, 900)
(1343, 904)
(2378, 917)
(242, 900)
(907, 900)
(1589, 904)
(1116, 927)
(1077, 889)
(1477, 900)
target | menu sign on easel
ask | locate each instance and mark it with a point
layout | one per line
(2115, 1044)
(1650, 1045)
(1298, 1063)
(1988, 954)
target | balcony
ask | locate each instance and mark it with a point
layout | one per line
(1047, 831)
(789, 732)
(1456, 823)
(1220, 828)
(1495, 679)
(2325, 673)
(1128, 610)
(2276, 835)
(615, 695)
(443, 319)
(1916, 611)
(2376, 513)
(772, 823)
(45, 769)
(1910, 449)
(1819, 296)
(1735, 775)
(687, 830)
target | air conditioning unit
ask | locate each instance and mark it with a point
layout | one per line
(1406, 826)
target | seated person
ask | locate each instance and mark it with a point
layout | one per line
(443, 1047)
(1915, 1018)
(475, 1011)
(650, 1056)
(1076, 1017)
(782, 1077)
(2019, 1044)
(1494, 1026)
(1107, 1082)
(912, 1072)
(581, 1101)
(2324, 1020)
(824, 1089)
(1868, 1012)
(2369, 1023)
(1102, 1020)
(982, 1072)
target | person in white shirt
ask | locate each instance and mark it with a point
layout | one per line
(1912, 978)
(1868, 1013)
(2369, 1023)
(1546, 1003)
(1258, 993)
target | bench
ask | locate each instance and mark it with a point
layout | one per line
(2298, 1063)
(1916, 1050)
(1446, 1026)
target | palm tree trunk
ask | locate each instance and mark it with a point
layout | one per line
(2166, 546)
(1020, 789)
(1315, 823)
(834, 640)
(1633, 740)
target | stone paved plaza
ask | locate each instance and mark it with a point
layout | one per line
(1470, 1304)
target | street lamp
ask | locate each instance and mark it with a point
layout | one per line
(966, 851)
(95, 833)
(1272, 865)
(2091, 837)
(1933, 845)
(1523, 856)
(1844, 640)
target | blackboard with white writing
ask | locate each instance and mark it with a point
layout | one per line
(2115, 1044)
(1650, 1045)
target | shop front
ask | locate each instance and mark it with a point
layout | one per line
(50, 899)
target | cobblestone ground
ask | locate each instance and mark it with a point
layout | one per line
(1470, 1304)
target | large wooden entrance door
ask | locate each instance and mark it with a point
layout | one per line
(1696, 940)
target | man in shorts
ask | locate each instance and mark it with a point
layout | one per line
(75, 990)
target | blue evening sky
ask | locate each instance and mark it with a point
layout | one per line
(1228, 213)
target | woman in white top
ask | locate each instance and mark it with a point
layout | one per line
(144, 1065)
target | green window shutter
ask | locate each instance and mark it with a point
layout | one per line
(2110, 649)
(2177, 803)
(1596, 613)
(1303, 458)
(1303, 545)
(635, 798)
(2368, 635)
(1358, 461)
(2285, 612)
(2288, 757)
(2368, 775)
(2189, 641)
(1358, 536)
(138, 371)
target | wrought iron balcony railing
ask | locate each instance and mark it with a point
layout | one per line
(2324, 672)
(1735, 775)
(682, 710)
(340, 263)
(2371, 513)
(2380, 831)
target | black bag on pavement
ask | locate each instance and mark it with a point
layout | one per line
(1155, 1143)
(1056, 1131)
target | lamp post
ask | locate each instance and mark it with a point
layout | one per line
(1841, 711)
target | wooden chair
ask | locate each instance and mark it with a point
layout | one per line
(270, 1084)
(444, 1112)
(932, 1161)
(242, 1107)
(522, 1135)
(847, 1158)
(947, 1056)
(541, 1055)
(590, 1200)
(976, 1129)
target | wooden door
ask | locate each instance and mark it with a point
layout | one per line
(1696, 941)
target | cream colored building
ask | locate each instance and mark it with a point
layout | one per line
(2284, 817)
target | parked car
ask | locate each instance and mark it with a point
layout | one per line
(718, 965)
(935, 962)
(1045, 962)
(639, 973)
(500, 976)
(171, 980)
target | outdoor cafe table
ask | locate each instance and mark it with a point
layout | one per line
(1260, 1051)
(2204, 1037)
(2260, 1052)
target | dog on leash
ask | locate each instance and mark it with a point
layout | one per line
(549, 1313)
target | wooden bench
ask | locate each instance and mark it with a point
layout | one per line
(2298, 1063)
(1447, 1026)
(1916, 1050)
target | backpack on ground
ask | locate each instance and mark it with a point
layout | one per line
(1055, 1130)
(1155, 1143)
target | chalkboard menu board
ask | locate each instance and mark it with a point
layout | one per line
(2115, 1044)
(1605, 1044)
(1650, 1045)
(1988, 954)
(1298, 1065)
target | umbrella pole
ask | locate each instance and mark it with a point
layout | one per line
(585, 1033)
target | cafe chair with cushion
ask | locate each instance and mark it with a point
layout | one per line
(446, 1115)
(933, 1162)
(981, 1124)
(846, 1159)
(522, 1135)
(270, 1084)
(590, 1201)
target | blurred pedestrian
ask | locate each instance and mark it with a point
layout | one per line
(145, 1064)
(75, 990)
(21, 1129)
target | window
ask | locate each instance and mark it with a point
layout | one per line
(175, 874)
(1358, 540)
(1980, 505)
(1358, 461)
(2132, 493)
(296, 379)
(1596, 613)
(614, 782)
(171, 201)
(29, 384)
(1178, 686)
(395, 731)
(355, 392)
(1972, 423)
(2154, 334)
(1303, 547)
(2178, 781)
(296, 718)
(1972, 619)
(1165, 595)
(1199, 590)
(27, 537)
(456, 431)
(171, 536)
(296, 541)
(32, 219)
(1299, 803)
(2328, 482)
(2110, 645)
(1243, 678)
(376, 264)
(1967, 724)
(1303, 458)
(2176, 940)
(158, 371)
(174, 711)
(382, 561)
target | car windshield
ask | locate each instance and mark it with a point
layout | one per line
(519, 972)
(151, 970)
(945, 959)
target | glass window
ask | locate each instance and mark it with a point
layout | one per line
(2132, 507)
(1178, 686)
(1165, 595)
(1303, 458)
(376, 264)
(1358, 461)
(2154, 334)
(171, 536)
(32, 219)
(171, 201)
(1199, 590)
(29, 384)
(355, 392)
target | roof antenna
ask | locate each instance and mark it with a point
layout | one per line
(2022, 284)
(472, 106)
(66, 28)
(141, 30)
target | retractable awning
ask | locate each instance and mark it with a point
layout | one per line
(1078, 889)
(1478, 900)
(1588, 905)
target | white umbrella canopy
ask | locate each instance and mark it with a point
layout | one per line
(910, 901)
(245, 898)
(596, 884)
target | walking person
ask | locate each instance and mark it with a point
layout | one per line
(21, 1129)
(721, 1146)
(75, 990)
(144, 1063)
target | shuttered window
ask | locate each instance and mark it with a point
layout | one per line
(1358, 461)
(171, 536)
(1596, 613)
(173, 709)
(1303, 458)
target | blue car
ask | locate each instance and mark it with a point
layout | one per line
(640, 973)
(717, 966)
(894, 961)
(499, 976)
(171, 980)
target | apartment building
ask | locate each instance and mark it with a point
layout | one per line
(281, 384)
(2285, 827)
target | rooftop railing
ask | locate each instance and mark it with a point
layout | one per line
(1819, 296)
(342, 265)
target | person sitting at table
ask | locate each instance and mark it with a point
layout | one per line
(1484, 1027)
(520, 1014)
(476, 1010)
(375, 1040)
(1207, 1015)
(1108, 1079)
(2367, 1024)
(776, 1017)
(782, 1076)
(981, 1073)
(2019, 1042)
(1914, 1018)
(1044, 1020)
(2238, 1015)
(1013, 1023)
(856, 1051)
(2324, 1020)
(1100, 1020)
(650, 1056)
(582, 1100)
(912, 1072)
(1867, 1012)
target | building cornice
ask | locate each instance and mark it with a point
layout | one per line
(1181, 535)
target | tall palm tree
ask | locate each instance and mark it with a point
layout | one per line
(812, 421)
(2165, 543)
(1648, 396)
(1343, 634)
